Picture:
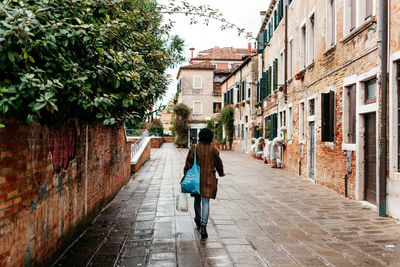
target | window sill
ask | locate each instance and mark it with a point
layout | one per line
(348, 147)
(329, 144)
(330, 50)
(358, 30)
(311, 65)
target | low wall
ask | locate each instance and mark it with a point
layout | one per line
(53, 181)
(143, 158)
(156, 142)
(170, 139)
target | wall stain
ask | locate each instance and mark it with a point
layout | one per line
(62, 146)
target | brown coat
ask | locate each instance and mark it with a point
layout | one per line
(209, 161)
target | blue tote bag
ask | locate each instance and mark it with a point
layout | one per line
(191, 181)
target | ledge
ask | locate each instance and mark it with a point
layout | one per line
(330, 50)
(359, 29)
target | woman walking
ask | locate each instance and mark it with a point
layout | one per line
(209, 161)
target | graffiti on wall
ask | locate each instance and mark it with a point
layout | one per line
(62, 146)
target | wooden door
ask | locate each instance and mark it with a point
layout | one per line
(370, 158)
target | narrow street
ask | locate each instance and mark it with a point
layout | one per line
(261, 217)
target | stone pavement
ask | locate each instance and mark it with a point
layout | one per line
(261, 217)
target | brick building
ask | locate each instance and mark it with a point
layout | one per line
(165, 119)
(319, 77)
(393, 182)
(239, 90)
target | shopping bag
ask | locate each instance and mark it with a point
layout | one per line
(181, 203)
(191, 181)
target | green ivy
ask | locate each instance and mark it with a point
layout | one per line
(102, 60)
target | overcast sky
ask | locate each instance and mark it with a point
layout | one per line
(245, 14)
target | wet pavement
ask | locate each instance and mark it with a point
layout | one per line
(261, 217)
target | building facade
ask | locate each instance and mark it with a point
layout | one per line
(239, 90)
(165, 118)
(199, 84)
(319, 87)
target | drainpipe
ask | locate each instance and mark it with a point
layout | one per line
(286, 53)
(382, 48)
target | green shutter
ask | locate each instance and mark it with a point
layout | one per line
(260, 45)
(275, 19)
(265, 38)
(274, 125)
(258, 92)
(264, 85)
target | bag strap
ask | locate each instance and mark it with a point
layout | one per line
(195, 157)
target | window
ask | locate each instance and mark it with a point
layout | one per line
(216, 107)
(290, 61)
(275, 77)
(350, 114)
(311, 107)
(301, 121)
(311, 40)
(197, 82)
(271, 126)
(331, 24)
(249, 92)
(303, 47)
(370, 91)
(356, 12)
(368, 8)
(282, 67)
(263, 87)
(242, 131)
(353, 9)
(327, 117)
(197, 107)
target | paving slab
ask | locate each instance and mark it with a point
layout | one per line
(261, 217)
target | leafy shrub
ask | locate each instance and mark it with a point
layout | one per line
(94, 59)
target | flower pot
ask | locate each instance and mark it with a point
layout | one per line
(299, 76)
(273, 164)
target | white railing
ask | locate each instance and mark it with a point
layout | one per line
(137, 145)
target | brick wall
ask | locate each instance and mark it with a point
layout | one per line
(52, 182)
(156, 142)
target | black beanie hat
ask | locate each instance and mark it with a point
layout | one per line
(206, 135)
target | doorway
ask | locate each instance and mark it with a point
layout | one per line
(311, 173)
(370, 158)
(193, 137)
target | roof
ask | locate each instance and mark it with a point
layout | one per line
(248, 59)
(196, 66)
(225, 71)
(268, 14)
(225, 53)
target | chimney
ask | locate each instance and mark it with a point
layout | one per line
(191, 51)
(249, 48)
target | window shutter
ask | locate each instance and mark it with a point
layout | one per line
(237, 95)
(260, 45)
(225, 98)
(264, 85)
(275, 19)
(258, 92)
(266, 37)
(244, 90)
(274, 125)
(327, 117)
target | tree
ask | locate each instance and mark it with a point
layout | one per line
(92, 59)
(102, 60)
(181, 126)
(227, 119)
